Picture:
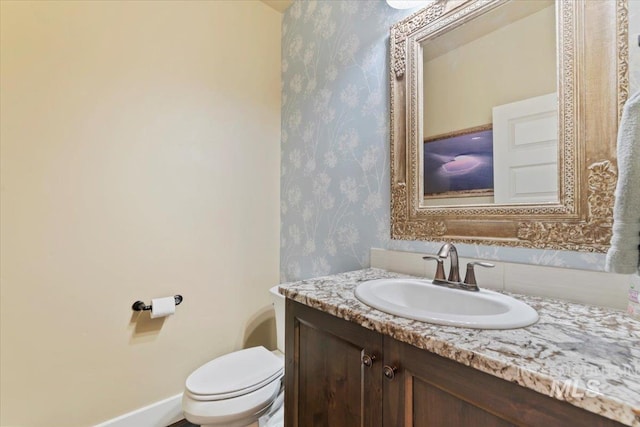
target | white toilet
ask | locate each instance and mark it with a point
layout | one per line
(237, 389)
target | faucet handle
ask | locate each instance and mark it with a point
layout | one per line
(439, 267)
(470, 277)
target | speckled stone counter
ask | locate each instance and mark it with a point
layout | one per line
(588, 356)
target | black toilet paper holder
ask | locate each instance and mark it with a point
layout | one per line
(141, 306)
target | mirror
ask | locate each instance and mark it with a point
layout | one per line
(490, 108)
(504, 116)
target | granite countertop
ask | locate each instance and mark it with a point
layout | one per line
(588, 356)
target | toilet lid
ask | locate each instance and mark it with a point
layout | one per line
(235, 374)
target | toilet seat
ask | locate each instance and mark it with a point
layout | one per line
(234, 375)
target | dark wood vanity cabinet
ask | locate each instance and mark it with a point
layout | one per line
(328, 384)
(339, 374)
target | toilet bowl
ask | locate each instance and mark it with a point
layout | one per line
(237, 389)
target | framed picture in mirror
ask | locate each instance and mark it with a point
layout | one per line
(459, 164)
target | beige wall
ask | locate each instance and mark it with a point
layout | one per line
(140, 158)
(507, 65)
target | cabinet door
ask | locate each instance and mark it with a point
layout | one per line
(430, 391)
(326, 381)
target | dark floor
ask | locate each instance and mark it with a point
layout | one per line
(183, 423)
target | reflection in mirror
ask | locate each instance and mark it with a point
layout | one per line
(551, 184)
(490, 108)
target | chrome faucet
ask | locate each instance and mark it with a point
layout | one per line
(454, 269)
(453, 281)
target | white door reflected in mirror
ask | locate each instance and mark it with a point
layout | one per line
(525, 151)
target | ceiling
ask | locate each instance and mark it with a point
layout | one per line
(279, 5)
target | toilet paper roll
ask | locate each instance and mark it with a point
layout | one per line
(161, 307)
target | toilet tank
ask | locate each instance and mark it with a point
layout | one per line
(278, 306)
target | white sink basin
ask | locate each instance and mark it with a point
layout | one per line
(421, 300)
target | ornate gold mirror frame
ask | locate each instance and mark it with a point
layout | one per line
(592, 87)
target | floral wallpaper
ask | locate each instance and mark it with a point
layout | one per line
(335, 143)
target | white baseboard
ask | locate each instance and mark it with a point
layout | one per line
(159, 414)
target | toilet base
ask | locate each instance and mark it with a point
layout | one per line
(233, 412)
(272, 417)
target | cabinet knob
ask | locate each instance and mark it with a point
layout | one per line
(368, 360)
(389, 372)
